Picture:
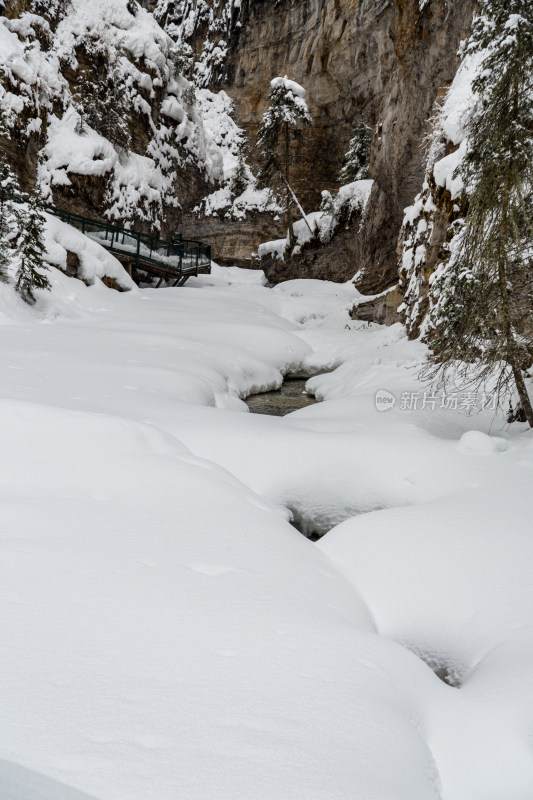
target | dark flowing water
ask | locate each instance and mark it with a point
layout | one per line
(289, 398)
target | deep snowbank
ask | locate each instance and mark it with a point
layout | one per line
(164, 627)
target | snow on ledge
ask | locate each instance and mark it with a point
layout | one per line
(275, 248)
(95, 261)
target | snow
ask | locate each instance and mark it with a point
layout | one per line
(444, 172)
(252, 200)
(446, 595)
(66, 151)
(275, 248)
(18, 783)
(164, 628)
(452, 125)
(217, 111)
(459, 99)
(9, 44)
(289, 86)
(138, 190)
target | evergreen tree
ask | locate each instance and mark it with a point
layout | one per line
(30, 251)
(357, 158)
(240, 177)
(286, 115)
(483, 312)
(189, 95)
(80, 128)
(5, 255)
(327, 204)
(11, 216)
(113, 109)
(21, 235)
(104, 106)
(183, 61)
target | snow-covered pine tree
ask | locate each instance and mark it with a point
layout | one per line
(113, 108)
(287, 113)
(183, 61)
(80, 128)
(357, 158)
(327, 204)
(11, 214)
(189, 95)
(103, 104)
(29, 253)
(240, 177)
(4, 228)
(483, 300)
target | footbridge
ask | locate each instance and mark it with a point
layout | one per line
(174, 261)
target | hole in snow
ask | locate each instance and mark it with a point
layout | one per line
(314, 525)
(450, 672)
(446, 677)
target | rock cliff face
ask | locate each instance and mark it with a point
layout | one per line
(385, 61)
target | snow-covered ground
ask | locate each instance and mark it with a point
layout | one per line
(166, 633)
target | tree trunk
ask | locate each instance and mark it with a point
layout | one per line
(512, 360)
(290, 228)
(521, 388)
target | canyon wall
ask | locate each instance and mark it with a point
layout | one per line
(385, 61)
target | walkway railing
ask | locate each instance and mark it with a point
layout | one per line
(176, 260)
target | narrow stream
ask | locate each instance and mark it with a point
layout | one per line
(290, 397)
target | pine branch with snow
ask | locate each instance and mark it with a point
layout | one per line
(357, 158)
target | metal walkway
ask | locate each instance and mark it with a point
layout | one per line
(175, 261)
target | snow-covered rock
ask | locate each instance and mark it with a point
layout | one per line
(59, 68)
(94, 261)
